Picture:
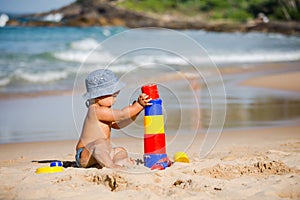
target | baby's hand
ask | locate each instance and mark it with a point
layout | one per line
(144, 100)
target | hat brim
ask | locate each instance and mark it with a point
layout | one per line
(104, 91)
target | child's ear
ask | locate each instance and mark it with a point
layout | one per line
(87, 103)
(90, 101)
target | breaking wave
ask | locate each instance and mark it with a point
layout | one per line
(56, 58)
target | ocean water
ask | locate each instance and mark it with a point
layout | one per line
(43, 59)
(48, 58)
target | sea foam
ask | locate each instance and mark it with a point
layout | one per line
(43, 77)
(85, 44)
(57, 17)
(256, 57)
(4, 81)
(87, 50)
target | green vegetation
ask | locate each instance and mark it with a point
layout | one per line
(237, 10)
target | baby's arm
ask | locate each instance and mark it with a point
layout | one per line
(128, 113)
(144, 101)
(124, 123)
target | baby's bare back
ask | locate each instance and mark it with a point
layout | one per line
(93, 129)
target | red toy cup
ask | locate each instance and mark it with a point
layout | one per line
(151, 90)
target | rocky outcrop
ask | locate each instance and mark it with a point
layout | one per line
(106, 13)
(288, 28)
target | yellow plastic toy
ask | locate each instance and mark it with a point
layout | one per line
(47, 170)
(181, 157)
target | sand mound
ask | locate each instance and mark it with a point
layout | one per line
(258, 169)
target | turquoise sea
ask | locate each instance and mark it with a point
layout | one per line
(43, 58)
(40, 60)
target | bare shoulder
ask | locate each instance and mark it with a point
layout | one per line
(101, 113)
(101, 109)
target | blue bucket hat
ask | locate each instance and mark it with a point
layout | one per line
(101, 82)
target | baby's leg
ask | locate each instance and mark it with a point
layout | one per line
(101, 151)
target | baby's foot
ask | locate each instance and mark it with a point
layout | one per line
(115, 166)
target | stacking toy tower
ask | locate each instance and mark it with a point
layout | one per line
(154, 132)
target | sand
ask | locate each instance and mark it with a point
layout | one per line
(256, 163)
(283, 81)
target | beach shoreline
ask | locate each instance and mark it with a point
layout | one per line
(64, 119)
(256, 163)
(258, 69)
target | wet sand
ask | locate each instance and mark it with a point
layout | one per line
(247, 106)
(284, 81)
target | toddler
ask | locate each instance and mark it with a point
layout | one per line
(94, 145)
